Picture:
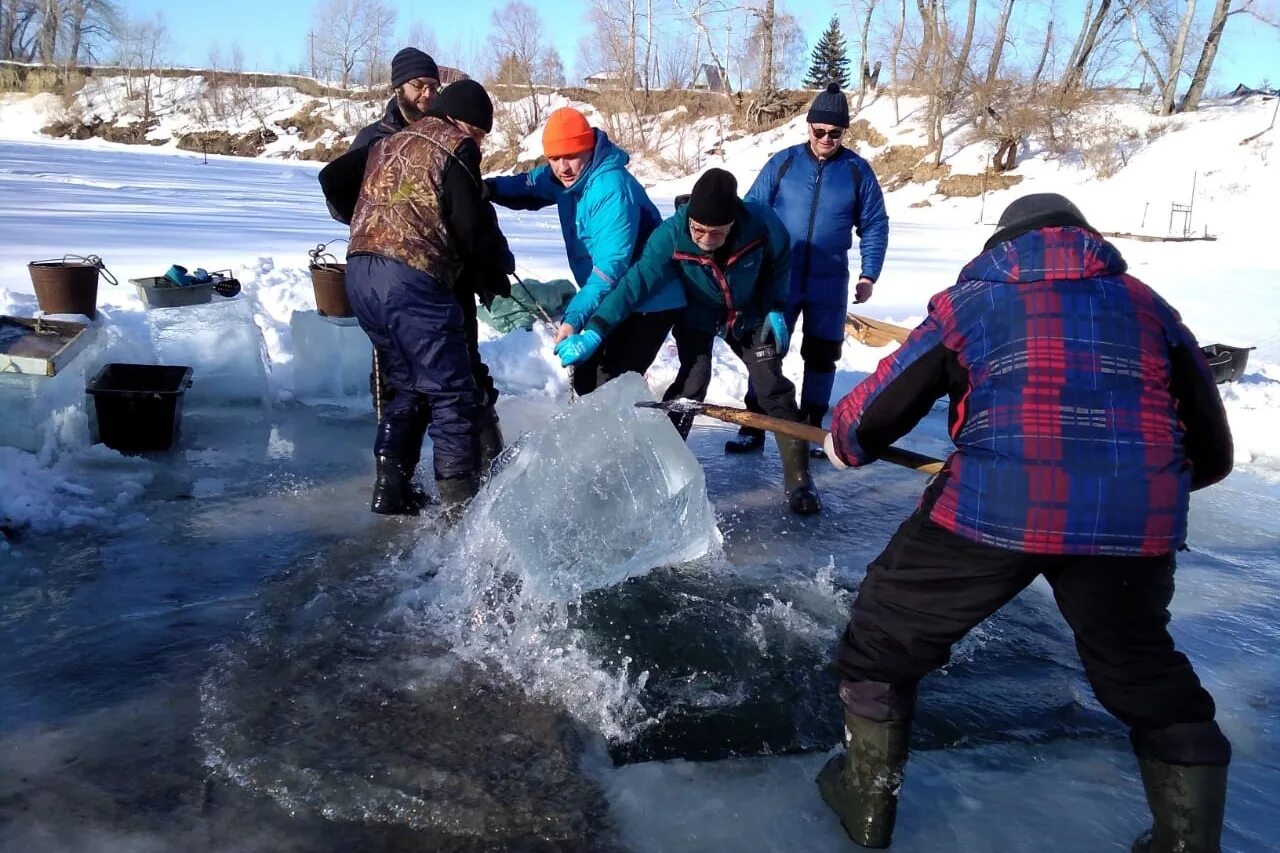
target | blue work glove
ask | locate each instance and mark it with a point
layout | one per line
(578, 348)
(781, 337)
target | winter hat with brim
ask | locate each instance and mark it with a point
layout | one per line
(714, 200)
(410, 64)
(567, 132)
(1036, 211)
(830, 107)
(465, 100)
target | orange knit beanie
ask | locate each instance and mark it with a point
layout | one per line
(567, 132)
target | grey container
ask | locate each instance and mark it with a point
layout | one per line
(156, 291)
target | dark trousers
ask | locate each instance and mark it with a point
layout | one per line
(930, 587)
(419, 329)
(776, 393)
(630, 348)
(479, 370)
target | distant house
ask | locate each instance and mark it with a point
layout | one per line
(603, 80)
(710, 78)
(1243, 91)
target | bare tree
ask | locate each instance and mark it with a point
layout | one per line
(993, 61)
(89, 24)
(864, 59)
(518, 35)
(50, 22)
(966, 46)
(1043, 61)
(141, 49)
(424, 38)
(1222, 12)
(351, 32)
(706, 14)
(894, 53)
(1085, 44)
(1166, 64)
(20, 28)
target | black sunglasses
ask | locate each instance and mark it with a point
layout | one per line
(834, 133)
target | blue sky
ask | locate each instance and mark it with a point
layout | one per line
(272, 35)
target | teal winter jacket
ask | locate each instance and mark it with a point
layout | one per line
(729, 291)
(605, 217)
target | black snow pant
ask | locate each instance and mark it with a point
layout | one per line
(630, 348)
(417, 324)
(930, 587)
(776, 393)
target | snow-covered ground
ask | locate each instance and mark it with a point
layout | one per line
(131, 570)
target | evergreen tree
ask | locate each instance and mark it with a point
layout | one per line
(830, 62)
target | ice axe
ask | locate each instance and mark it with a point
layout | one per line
(793, 429)
(874, 333)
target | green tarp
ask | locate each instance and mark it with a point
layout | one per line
(531, 301)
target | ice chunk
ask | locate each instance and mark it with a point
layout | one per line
(604, 491)
(331, 359)
(223, 344)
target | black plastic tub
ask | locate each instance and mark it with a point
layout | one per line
(139, 406)
(1227, 363)
(156, 291)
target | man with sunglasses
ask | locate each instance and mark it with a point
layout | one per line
(733, 259)
(823, 193)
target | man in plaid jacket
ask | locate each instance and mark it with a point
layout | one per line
(1083, 415)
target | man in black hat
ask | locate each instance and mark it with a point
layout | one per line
(823, 192)
(1083, 414)
(415, 80)
(420, 219)
(733, 258)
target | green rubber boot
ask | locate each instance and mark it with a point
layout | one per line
(1187, 804)
(862, 785)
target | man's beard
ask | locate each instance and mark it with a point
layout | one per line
(408, 109)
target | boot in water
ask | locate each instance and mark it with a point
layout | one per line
(489, 439)
(455, 493)
(748, 440)
(393, 490)
(814, 416)
(1187, 804)
(862, 785)
(802, 495)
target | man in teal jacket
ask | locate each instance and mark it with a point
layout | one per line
(605, 217)
(733, 260)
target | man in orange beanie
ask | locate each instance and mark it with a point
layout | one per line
(606, 217)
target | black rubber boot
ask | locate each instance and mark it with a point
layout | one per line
(748, 440)
(802, 495)
(862, 785)
(1187, 804)
(489, 439)
(455, 494)
(393, 490)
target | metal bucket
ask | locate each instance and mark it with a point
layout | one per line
(66, 287)
(329, 281)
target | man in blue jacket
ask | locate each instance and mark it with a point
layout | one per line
(823, 193)
(731, 259)
(605, 217)
(1084, 415)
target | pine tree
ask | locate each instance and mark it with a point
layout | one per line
(830, 62)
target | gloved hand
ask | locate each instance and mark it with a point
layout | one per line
(862, 290)
(578, 348)
(781, 336)
(829, 448)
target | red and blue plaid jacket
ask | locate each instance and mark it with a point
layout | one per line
(1082, 410)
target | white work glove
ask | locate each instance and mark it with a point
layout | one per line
(829, 448)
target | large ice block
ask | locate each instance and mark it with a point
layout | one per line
(602, 492)
(223, 344)
(331, 359)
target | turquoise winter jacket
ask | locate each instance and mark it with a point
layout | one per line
(605, 217)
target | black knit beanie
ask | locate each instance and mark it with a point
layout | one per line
(1033, 212)
(465, 100)
(830, 107)
(410, 64)
(714, 201)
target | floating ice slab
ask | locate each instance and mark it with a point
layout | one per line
(221, 342)
(331, 359)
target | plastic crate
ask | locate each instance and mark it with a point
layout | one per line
(139, 406)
